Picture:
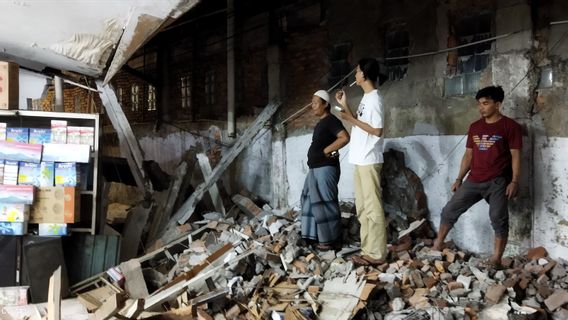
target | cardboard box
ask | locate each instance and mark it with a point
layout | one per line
(58, 131)
(16, 194)
(14, 212)
(2, 131)
(57, 152)
(21, 135)
(17, 151)
(9, 85)
(39, 136)
(52, 229)
(36, 174)
(88, 136)
(55, 205)
(66, 174)
(13, 228)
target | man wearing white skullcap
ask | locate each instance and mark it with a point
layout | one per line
(321, 217)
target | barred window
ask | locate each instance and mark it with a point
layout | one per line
(151, 98)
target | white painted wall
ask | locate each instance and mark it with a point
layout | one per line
(31, 86)
(436, 160)
(550, 226)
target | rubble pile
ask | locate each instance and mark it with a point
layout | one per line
(253, 264)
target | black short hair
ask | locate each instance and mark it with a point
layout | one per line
(327, 104)
(494, 93)
(370, 68)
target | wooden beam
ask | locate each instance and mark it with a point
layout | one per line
(54, 296)
(213, 190)
(134, 279)
(133, 229)
(129, 146)
(110, 307)
(162, 215)
(186, 210)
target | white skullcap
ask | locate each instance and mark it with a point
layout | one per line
(322, 94)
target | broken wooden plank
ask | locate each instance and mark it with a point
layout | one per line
(54, 296)
(129, 146)
(162, 215)
(186, 210)
(133, 228)
(93, 299)
(246, 205)
(110, 307)
(132, 309)
(164, 295)
(213, 190)
(134, 279)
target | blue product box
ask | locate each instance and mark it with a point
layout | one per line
(52, 229)
(36, 174)
(21, 135)
(65, 174)
(28, 173)
(40, 136)
(13, 228)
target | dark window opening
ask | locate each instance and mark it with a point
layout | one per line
(340, 66)
(397, 45)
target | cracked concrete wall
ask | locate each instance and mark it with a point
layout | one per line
(430, 128)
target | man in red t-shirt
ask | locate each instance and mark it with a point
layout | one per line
(493, 159)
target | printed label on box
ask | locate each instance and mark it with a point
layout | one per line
(66, 152)
(52, 229)
(2, 131)
(14, 212)
(65, 174)
(74, 135)
(40, 136)
(13, 228)
(88, 136)
(20, 151)
(21, 135)
(16, 194)
(58, 131)
(11, 172)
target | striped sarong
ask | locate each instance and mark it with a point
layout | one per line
(321, 217)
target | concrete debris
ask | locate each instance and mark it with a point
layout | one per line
(255, 265)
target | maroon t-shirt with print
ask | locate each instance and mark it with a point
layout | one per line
(491, 144)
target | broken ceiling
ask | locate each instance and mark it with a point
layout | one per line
(83, 36)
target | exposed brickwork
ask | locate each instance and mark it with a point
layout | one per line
(305, 67)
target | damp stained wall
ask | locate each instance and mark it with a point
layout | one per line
(430, 127)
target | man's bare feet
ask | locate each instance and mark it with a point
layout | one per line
(438, 245)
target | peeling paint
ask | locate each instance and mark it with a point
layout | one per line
(93, 49)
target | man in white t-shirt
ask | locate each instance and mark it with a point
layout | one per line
(366, 154)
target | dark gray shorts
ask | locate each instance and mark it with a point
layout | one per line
(469, 193)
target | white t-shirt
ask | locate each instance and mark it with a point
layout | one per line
(364, 148)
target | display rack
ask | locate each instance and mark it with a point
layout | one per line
(42, 119)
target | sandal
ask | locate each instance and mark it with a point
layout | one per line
(359, 261)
